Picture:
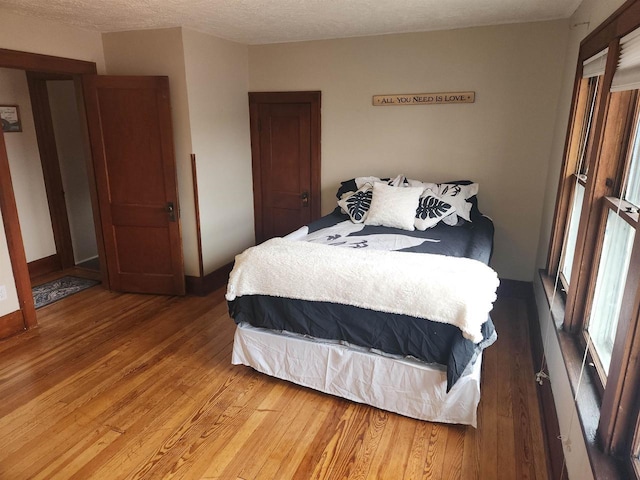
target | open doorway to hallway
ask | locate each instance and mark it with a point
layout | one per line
(48, 165)
(48, 162)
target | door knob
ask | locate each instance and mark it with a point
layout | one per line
(171, 210)
(305, 199)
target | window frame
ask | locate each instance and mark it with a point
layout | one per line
(608, 152)
(572, 154)
(582, 135)
(576, 180)
(617, 206)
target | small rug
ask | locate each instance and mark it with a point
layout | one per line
(58, 289)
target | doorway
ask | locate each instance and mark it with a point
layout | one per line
(60, 131)
(17, 310)
(132, 179)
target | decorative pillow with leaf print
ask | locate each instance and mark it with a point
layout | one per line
(431, 209)
(357, 204)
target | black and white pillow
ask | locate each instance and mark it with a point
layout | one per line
(398, 181)
(431, 209)
(457, 195)
(356, 204)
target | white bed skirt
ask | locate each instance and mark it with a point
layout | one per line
(402, 386)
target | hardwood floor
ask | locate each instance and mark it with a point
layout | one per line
(141, 387)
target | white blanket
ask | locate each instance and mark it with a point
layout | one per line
(458, 291)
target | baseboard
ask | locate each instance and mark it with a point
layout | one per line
(86, 259)
(44, 265)
(12, 323)
(202, 286)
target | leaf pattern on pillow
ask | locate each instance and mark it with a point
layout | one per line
(431, 207)
(358, 204)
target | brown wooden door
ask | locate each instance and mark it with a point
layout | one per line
(129, 120)
(285, 133)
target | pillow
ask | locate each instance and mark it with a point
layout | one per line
(456, 195)
(346, 187)
(362, 181)
(393, 207)
(349, 187)
(356, 204)
(431, 209)
(399, 181)
(468, 190)
(453, 220)
(353, 184)
(403, 181)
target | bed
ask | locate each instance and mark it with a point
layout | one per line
(350, 305)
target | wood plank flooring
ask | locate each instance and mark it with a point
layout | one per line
(121, 386)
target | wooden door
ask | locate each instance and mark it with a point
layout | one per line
(129, 121)
(285, 144)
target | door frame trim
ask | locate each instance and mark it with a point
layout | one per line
(313, 98)
(50, 161)
(15, 244)
(38, 63)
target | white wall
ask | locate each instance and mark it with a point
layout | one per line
(73, 168)
(30, 34)
(41, 36)
(587, 17)
(209, 83)
(26, 170)
(576, 457)
(217, 84)
(502, 141)
(161, 52)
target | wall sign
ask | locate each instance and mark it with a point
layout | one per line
(10, 118)
(424, 98)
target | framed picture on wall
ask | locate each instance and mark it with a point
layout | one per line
(10, 118)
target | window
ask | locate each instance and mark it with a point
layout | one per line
(594, 248)
(572, 235)
(632, 193)
(635, 452)
(576, 169)
(589, 89)
(609, 288)
(613, 267)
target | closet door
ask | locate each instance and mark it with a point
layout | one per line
(285, 146)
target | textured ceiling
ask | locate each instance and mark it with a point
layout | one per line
(272, 21)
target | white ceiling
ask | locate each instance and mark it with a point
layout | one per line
(273, 21)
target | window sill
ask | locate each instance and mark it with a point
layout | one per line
(588, 401)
